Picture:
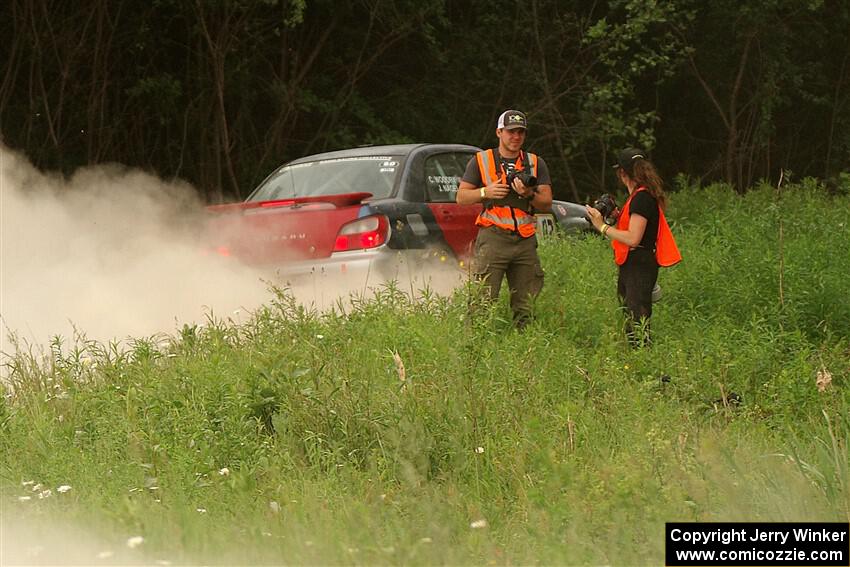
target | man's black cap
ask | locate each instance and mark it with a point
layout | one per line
(511, 120)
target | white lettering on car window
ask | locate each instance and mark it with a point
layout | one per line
(444, 183)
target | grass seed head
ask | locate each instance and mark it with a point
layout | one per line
(823, 379)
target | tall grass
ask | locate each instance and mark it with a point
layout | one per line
(401, 431)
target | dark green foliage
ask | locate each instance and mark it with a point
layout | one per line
(219, 93)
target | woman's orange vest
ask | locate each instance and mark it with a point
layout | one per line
(666, 252)
(515, 212)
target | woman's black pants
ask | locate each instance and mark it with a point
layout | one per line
(638, 275)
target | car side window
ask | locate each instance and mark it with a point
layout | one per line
(442, 176)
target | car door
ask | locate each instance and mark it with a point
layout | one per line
(442, 174)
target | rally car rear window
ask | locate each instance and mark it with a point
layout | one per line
(371, 174)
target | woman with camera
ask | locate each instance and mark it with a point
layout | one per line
(641, 239)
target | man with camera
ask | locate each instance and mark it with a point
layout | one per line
(511, 184)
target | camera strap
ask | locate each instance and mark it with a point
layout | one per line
(524, 162)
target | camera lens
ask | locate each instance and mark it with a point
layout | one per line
(605, 205)
(527, 179)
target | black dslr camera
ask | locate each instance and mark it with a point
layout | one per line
(525, 176)
(606, 205)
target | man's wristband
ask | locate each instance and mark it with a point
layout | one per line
(604, 229)
(483, 195)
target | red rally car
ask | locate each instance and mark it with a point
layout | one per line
(368, 209)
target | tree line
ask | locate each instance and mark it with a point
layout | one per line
(219, 92)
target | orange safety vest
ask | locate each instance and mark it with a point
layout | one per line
(666, 252)
(512, 212)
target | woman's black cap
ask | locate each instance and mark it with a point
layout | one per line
(626, 158)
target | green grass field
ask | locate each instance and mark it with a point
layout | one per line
(402, 432)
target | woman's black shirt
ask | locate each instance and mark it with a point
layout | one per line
(645, 205)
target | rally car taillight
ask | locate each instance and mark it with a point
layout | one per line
(369, 232)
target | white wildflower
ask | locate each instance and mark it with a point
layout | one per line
(47, 493)
(201, 510)
(63, 489)
(135, 541)
(479, 450)
(224, 471)
(320, 337)
(478, 524)
(24, 498)
(426, 540)
(274, 507)
(28, 483)
(37, 487)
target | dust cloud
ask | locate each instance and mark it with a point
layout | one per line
(109, 253)
(42, 543)
(112, 252)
